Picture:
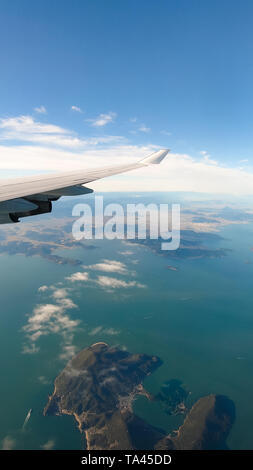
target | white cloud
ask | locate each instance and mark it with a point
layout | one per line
(113, 283)
(49, 445)
(39, 158)
(179, 172)
(27, 129)
(41, 315)
(104, 331)
(102, 119)
(50, 318)
(43, 380)
(68, 351)
(106, 139)
(62, 297)
(8, 443)
(67, 303)
(76, 108)
(41, 110)
(43, 288)
(61, 293)
(209, 160)
(95, 331)
(144, 128)
(27, 125)
(78, 277)
(111, 331)
(166, 133)
(110, 266)
(72, 372)
(34, 337)
(126, 253)
(30, 349)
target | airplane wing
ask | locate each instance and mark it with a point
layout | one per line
(22, 197)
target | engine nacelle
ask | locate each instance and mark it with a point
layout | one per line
(16, 205)
(43, 207)
(13, 210)
(8, 219)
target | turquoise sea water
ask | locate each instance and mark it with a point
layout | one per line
(198, 320)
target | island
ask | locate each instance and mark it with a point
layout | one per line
(206, 426)
(98, 387)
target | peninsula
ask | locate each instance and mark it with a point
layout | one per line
(98, 387)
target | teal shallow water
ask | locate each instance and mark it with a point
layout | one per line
(198, 320)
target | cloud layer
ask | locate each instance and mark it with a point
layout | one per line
(27, 144)
(53, 317)
(109, 266)
(102, 120)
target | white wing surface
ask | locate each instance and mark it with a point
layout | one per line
(21, 197)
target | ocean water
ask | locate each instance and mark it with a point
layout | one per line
(198, 320)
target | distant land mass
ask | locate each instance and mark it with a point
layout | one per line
(200, 223)
(191, 246)
(98, 387)
(41, 238)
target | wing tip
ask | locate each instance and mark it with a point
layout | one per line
(156, 157)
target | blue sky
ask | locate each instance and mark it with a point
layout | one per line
(165, 73)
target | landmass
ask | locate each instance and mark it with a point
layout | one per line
(206, 426)
(191, 246)
(42, 238)
(173, 397)
(98, 387)
(200, 223)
